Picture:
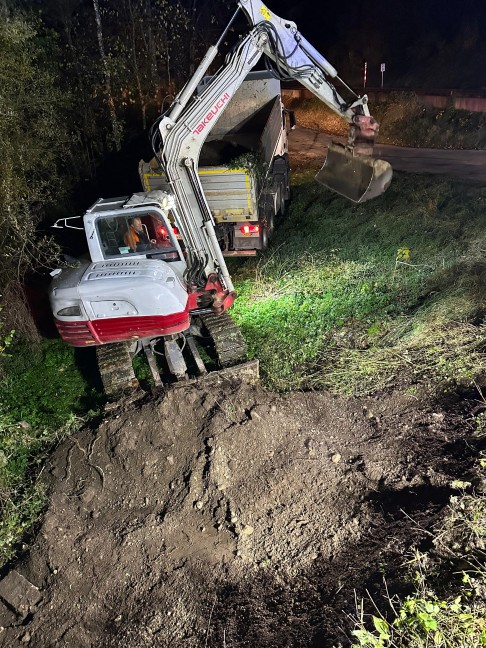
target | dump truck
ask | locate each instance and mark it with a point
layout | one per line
(243, 166)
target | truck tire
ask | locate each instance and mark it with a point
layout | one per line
(283, 203)
(270, 224)
(263, 237)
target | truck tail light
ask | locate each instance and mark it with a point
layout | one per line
(250, 229)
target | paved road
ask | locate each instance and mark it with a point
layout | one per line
(306, 145)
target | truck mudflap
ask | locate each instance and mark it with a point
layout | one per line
(356, 177)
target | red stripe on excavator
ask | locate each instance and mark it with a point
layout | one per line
(119, 329)
(76, 333)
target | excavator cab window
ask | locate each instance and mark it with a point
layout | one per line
(139, 233)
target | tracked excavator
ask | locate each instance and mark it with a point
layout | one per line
(157, 280)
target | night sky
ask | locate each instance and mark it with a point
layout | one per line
(411, 18)
(423, 41)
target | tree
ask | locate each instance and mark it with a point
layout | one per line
(107, 77)
(34, 143)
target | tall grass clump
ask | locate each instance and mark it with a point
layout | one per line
(359, 297)
(406, 121)
(446, 603)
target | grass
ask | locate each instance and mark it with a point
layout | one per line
(425, 619)
(357, 298)
(44, 396)
(405, 121)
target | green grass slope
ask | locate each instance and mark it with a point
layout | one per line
(357, 298)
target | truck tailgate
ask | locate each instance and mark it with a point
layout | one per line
(230, 193)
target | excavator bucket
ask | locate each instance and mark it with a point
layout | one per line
(356, 177)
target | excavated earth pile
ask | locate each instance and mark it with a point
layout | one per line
(230, 516)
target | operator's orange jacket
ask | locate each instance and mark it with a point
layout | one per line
(132, 239)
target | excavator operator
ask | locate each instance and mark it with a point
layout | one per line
(136, 238)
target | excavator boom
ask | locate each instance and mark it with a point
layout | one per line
(142, 291)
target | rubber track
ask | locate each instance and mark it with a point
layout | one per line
(229, 344)
(116, 369)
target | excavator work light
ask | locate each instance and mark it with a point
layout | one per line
(70, 311)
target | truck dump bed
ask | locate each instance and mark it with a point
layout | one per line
(237, 153)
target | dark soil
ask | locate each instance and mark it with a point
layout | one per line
(230, 516)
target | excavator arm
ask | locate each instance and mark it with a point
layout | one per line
(291, 57)
(180, 133)
(349, 170)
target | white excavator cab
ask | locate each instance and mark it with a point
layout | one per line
(138, 233)
(120, 230)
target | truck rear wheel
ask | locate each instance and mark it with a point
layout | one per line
(283, 202)
(263, 237)
(270, 224)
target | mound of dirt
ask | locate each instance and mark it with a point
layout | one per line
(229, 516)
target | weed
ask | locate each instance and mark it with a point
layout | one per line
(481, 426)
(229, 410)
(424, 618)
(464, 530)
(20, 511)
(5, 338)
(142, 371)
(43, 385)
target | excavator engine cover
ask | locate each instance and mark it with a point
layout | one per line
(356, 177)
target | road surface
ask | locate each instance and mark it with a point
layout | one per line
(306, 145)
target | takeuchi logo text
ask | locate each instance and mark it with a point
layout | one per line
(211, 114)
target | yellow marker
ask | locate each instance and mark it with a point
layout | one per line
(265, 13)
(403, 254)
